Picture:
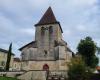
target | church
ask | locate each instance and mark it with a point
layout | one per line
(48, 51)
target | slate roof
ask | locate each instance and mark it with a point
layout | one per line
(48, 18)
(31, 44)
(5, 51)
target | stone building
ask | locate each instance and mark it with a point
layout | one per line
(3, 59)
(16, 64)
(48, 51)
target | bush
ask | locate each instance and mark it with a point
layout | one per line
(77, 70)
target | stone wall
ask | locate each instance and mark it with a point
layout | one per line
(16, 66)
(38, 65)
(46, 52)
(59, 73)
(46, 42)
(3, 59)
(42, 75)
(34, 75)
(11, 73)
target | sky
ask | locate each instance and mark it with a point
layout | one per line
(78, 19)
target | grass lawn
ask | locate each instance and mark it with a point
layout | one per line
(7, 78)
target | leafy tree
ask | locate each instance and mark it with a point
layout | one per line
(9, 57)
(77, 69)
(87, 48)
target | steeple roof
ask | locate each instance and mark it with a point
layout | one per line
(48, 18)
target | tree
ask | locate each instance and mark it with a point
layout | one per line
(77, 69)
(87, 48)
(98, 50)
(9, 57)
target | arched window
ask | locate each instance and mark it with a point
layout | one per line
(45, 67)
(23, 56)
(45, 53)
(50, 29)
(42, 31)
(3, 63)
(56, 43)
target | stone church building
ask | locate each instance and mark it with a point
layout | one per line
(48, 51)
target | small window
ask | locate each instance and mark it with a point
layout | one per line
(45, 53)
(42, 31)
(23, 55)
(3, 63)
(15, 65)
(55, 43)
(50, 29)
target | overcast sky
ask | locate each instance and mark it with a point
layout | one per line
(78, 18)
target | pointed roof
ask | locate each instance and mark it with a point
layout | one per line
(47, 18)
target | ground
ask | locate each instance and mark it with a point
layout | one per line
(7, 78)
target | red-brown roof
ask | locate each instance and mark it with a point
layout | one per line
(98, 67)
(48, 17)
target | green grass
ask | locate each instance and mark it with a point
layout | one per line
(7, 78)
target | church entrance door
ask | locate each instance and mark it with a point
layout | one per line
(45, 67)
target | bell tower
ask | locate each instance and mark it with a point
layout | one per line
(48, 33)
(48, 51)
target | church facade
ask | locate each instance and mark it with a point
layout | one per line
(48, 51)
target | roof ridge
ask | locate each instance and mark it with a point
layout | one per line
(47, 18)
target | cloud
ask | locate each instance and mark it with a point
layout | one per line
(83, 2)
(29, 31)
(81, 28)
(78, 18)
(4, 21)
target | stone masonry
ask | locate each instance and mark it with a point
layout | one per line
(48, 51)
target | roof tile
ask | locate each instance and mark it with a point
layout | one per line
(48, 17)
